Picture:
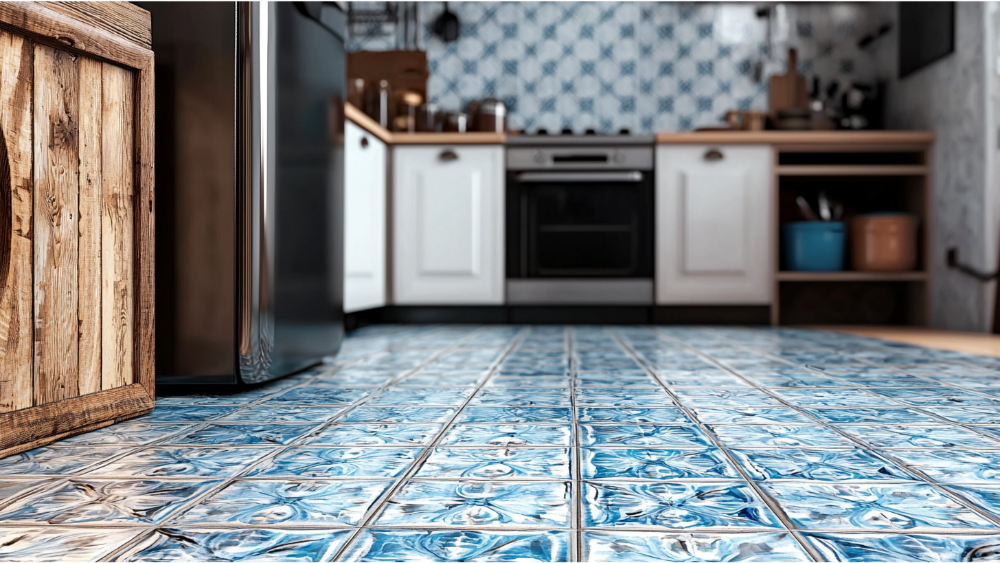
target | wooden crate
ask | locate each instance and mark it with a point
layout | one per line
(76, 219)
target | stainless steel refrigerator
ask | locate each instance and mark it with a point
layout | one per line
(249, 189)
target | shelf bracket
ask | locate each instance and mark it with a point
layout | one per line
(968, 270)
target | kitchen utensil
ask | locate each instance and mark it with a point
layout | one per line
(406, 119)
(379, 106)
(456, 122)
(884, 242)
(792, 119)
(734, 118)
(805, 209)
(824, 207)
(490, 116)
(753, 120)
(814, 246)
(446, 26)
(428, 117)
(788, 90)
(356, 92)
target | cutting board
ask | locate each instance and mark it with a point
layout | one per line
(787, 90)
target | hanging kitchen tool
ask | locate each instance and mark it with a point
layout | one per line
(788, 91)
(447, 26)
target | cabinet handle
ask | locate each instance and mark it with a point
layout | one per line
(447, 155)
(713, 154)
(364, 142)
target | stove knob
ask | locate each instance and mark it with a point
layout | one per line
(539, 157)
(619, 158)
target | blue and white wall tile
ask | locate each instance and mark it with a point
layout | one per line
(646, 66)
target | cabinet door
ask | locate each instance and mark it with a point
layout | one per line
(713, 217)
(448, 225)
(364, 220)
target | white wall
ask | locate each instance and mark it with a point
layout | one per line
(952, 98)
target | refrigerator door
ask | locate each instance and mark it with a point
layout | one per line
(291, 127)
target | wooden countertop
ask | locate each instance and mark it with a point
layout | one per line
(796, 138)
(862, 139)
(391, 138)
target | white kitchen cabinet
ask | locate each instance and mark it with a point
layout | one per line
(713, 224)
(365, 217)
(448, 212)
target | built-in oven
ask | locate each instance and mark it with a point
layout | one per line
(579, 227)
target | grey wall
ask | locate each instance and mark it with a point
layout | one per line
(949, 97)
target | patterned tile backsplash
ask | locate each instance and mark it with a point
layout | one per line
(646, 66)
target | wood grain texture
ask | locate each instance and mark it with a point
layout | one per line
(117, 290)
(50, 439)
(89, 309)
(846, 140)
(144, 233)
(57, 29)
(56, 169)
(16, 309)
(124, 19)
(38, 423)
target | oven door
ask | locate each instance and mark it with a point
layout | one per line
(589, 224)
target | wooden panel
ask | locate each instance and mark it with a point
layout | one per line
(16, 309)
(714, 220)
(36, 423)
(117, 291)
(124, 19)
(145, 227)
(59, 30)
(56, 171)
(796, 138)
(89, 309)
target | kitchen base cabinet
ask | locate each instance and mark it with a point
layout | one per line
(448, 246)
(713, 218)
(76, 219)
(364, 220)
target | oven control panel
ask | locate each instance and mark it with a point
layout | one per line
(579, 158)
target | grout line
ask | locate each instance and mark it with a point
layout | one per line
(766, 499)
(864, 446)
(190, 503)
(377, 506)
(576, 549)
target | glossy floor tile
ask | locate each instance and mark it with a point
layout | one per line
(509, 443)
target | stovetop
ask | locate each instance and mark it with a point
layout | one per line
(567, 137)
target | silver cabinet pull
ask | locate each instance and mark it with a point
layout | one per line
(713, 154)
(447, 155)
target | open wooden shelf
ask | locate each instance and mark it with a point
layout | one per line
(850, 276)
(853, 170)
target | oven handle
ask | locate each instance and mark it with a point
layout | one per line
(596, 176)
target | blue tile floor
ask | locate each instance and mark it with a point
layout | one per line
(462, 443)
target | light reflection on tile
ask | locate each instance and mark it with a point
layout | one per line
(479, 504)
(459, 545)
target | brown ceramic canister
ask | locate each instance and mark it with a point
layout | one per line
(884, 242)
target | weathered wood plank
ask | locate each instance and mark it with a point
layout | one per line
(16, 370)
(38, 423)
(89, 311)
(124, 19)
(57, 187)
(44, 25)
(45, 441)
(145, 226)
(117, 290)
